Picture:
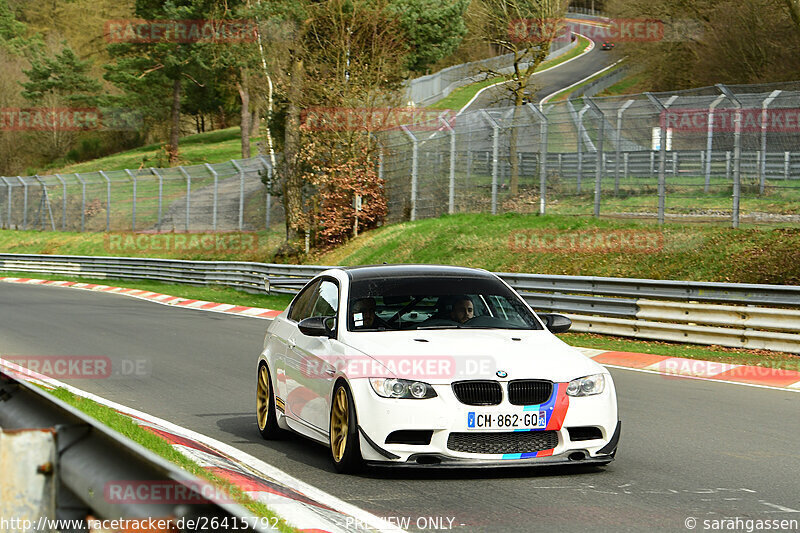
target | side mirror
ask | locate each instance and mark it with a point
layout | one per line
(556, 323)
(318, 326)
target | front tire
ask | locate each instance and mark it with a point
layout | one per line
(344, 439)
(265, 405)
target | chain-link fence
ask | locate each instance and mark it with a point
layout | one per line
(714, 153)
(220, 197)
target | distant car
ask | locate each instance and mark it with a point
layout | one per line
(607, 45)
(422, 365)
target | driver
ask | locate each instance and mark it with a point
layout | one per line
(463, 309)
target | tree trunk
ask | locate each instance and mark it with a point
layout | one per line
(244, 95)
(292, 197)
(175, 131)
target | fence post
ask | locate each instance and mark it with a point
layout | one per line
(216, 190)
(542, 157)
(83, 201)
(618, 139)
(710, 139)
(414, 170)
(787, 158)
(762, 167)
(625, 159)
(188, 193)
(495, 155)
(269, 190)
(662, 159)
(133, 213)
(8, 184)
(108, 200)
(580, 147)
(241, 193)
(63, 202)
(160, 193)
(24, 203)
(45, 199)
(451, 203)
(599, 154)
(737, 152)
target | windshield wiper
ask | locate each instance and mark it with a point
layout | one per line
(442, 326)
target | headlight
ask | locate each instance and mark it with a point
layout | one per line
(401, 388)
(587, 386)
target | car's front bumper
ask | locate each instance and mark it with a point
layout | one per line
(444, 415)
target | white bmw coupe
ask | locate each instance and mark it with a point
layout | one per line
(421, 365)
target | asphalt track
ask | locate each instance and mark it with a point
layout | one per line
(549, 81)
(690, 448)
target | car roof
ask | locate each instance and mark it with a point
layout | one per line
(358, 273)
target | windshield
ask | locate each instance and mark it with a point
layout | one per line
(435, 303)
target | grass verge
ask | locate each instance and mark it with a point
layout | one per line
(194, 292)
(125, 426)
(762, 358)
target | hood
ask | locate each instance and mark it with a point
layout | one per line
(442, 356)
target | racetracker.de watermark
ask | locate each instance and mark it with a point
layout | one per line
(180, 31)
(81, 366)
(366, 119)
(418, 367)
(613, 29)
(751, 120)
(586, 241)
(234, 242)
(69, 119)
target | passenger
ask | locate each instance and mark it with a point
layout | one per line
(364, 316)
(463, 309)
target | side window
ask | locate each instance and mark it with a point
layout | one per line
(327, 301)
(302, 305)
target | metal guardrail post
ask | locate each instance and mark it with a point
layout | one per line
(542, 157)
(710, 139)
(63, 202)
(241, 193)
(451, 194)
(268, 205)
(618, 135)
(737, 152)
(133, 212)
(495, 155)
(157, 174)
(188, 193)
(762, 167)
(662, 149)
(414, 171)
(598, 170)
(108, 201)
(24, 203)
(216, 194)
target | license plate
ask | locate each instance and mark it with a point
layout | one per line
(506, 421)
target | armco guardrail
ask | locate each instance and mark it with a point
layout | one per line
(70, 459)
(686, 311)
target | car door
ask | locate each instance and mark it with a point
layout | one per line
(285, 331)
(310, 362)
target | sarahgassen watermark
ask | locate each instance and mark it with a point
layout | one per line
(365, 119)
(180, 31)
(586, 241)
(235, 242)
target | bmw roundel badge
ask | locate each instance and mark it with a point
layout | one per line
(501, 374)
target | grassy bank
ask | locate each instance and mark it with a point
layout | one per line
(576, 246)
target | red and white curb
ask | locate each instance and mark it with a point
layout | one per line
(760, 376)
(165, 299)
(303, 506)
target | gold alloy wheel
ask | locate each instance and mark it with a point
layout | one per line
(262, 396)
(340, 422)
